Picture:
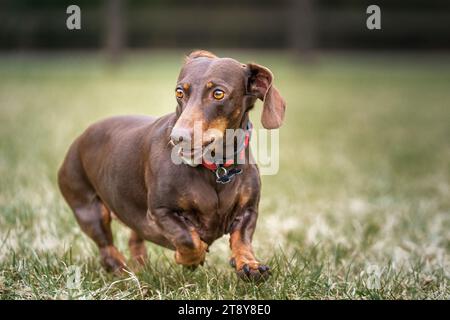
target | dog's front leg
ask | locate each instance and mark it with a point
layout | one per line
(190, 250)
(243, 258)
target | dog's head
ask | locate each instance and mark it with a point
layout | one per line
(215, 94)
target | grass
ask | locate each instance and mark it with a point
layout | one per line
(358, 210)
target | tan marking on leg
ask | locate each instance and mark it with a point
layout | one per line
(106, 216)
(245, 196)
(111, 257)
(242, 252)
(192, 256)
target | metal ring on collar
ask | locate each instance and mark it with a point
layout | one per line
(220, 172)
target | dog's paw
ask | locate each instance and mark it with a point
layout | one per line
(252, 271)
(113, 261)
(192, 258)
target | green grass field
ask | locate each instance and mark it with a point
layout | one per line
(360, 208)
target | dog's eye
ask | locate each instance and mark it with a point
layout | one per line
(218, 94)
(179, 93)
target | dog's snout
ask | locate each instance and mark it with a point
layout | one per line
(180, 135)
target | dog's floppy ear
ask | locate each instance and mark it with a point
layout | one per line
(260, 84)
(200, 54)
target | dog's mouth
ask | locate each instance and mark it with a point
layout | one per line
(193, 156)
(191, 153)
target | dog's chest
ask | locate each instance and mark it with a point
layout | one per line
(209, 211)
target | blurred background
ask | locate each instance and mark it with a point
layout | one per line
(301, 26)
(360, 207)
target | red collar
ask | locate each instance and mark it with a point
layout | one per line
(241, 151)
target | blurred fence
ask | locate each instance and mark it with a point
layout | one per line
(297, 24)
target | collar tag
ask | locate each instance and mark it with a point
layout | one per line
(225, 176)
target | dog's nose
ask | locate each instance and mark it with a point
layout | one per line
(180, 134)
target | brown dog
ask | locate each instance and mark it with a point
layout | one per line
(123, 165)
